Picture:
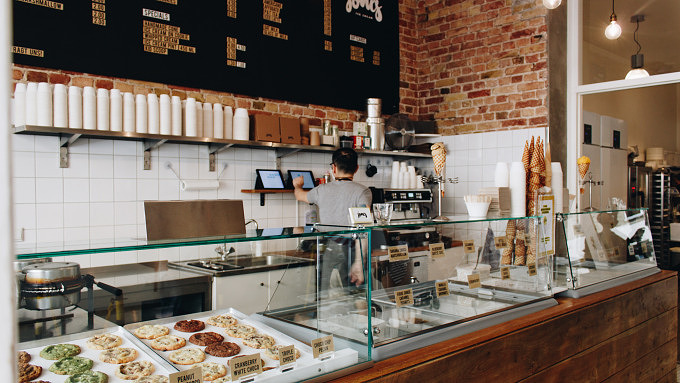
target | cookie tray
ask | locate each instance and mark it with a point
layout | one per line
(306, 366)
(161, 367)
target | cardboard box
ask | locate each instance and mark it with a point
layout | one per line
(265, 127)
(290, 130)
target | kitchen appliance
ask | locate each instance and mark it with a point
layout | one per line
(639, 186)
(399, 134)
(406, 203)
(660, 216)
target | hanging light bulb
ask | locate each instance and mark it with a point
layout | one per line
(613, 30)
(637, 61)
(552, 4)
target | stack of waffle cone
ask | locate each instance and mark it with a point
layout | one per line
(531, 248)
(506, 258)
(536, 175)
(438, 157)
(520, 247)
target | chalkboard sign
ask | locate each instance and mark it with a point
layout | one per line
(327, 52)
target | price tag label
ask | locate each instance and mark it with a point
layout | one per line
(644, 247)
(241, 366)
(531, 269)
(469, 246)
(398, 253)
(442, 288)
(501, 242)
(286, 355)
(474, 281)
(631, 249)
(437, 250)
(322, 345)
(505, 273)
(194, 375)
(403, 297)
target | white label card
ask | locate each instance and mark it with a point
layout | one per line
(469, 246)
(403, 297)
(505, 272)
(437, 250)
(194, 375)
(322, 345)
(398, 253)
(474, 281)
(286, 355)
(244, 365)
(442, 288)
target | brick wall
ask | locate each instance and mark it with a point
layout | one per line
(472, 65)
(482, 65)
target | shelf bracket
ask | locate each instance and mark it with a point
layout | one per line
(150, 144)
(66, 140)
(281, 153)
(262, 199)
(213, 149)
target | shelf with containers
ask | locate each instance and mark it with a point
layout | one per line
(603, 249)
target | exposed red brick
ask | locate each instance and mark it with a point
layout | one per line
(104, 84)
(59, 78)
(36, 76)
(479, 93)
(17, 74)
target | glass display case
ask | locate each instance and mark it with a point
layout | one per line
(432, 281)
(603, 249)
(233, 276)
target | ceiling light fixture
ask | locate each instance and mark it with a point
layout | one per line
(613, 30)
(637, 61)
(552, 4)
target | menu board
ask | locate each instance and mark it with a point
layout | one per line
(327, 52)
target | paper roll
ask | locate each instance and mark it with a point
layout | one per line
(103, 116)
(190, 118)
(128, 112)
(89, 108)
(228, 123)
(32, 103)
(19, 108)
(208, 120)
(501, 175)
(199, 185)
(199, 119)
(517, 190)
(176, 107)
(153, 113)
(218, 121)
(141, 117)
(44, 104)
(556, 185)
(116, 111)
(75, 107)
(165, 115)
(242, 126)
(60, 106)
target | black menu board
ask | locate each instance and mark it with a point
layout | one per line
(327, 52)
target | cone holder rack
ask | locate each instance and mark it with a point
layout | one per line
(439, 180)
(590, 184)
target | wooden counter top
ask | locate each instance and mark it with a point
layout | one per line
(628, 333)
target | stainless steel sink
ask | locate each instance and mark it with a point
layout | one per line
(265, 260)
(242, 263)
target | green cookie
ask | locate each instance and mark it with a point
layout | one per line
(88, 377)
(58, 351)
(71, 365)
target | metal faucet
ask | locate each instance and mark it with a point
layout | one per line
(221, 251)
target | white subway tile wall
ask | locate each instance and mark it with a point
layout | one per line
(100, 195)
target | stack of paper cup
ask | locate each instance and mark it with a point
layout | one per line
(556, 184)
(44, 104)
(241, 124)
(60, 112)
(394, 182)
(89, 108)
(141, 119)
(518, 187)
(165, 117)
(75, 107)
(19, 113)
(228, 123)
(32, 103)
(116, 110)
(208, 127)
(501, 175)
(154, 113)
(103, 117)
(190, 117)
(176, 116)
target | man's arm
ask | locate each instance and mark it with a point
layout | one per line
(300, 194)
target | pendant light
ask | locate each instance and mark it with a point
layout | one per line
(552, 4)
(613, 30)
(637, 61)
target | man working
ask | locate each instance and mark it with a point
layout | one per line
(334, 200)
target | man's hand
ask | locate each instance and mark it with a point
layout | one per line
(298, 182)
(356, 273)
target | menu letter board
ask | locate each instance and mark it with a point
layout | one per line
(328, 52)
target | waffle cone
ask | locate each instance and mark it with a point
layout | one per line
(439, 163)
(506, 258)
(583, 169)
(510, 230)
(526, 157)
(520, 253)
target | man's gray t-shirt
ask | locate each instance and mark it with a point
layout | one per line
(335, 198)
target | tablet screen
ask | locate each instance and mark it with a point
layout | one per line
(271, 179)
(306, 175)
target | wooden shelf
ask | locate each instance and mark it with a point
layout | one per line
(151, 141)
(266, 191)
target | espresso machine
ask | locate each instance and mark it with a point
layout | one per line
(407, 204)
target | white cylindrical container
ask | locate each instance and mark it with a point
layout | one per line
(394, 182)
(141, 116)
(228, 123)
(199, 119)
(501, 175)
(154, 113)
(176, 107)
(103, 116)
(190, 118)
(557, 185)
(116, 110)
(165, 115)
(241, 124)
(208, 120)
(518, 188)
(89, 108)
(75, 107)
(60, 106)
(128, 112)
(412, 182)
(44, 108)
(218, 121)
(19, 113)
(32, 103)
